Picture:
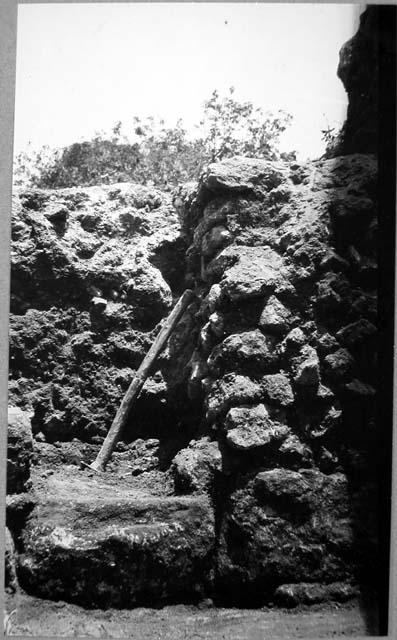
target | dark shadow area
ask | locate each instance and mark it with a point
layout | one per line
(174, 422)
(368, 71)
(386, 288)
(170, 259)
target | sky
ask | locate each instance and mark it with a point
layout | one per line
(83, 67)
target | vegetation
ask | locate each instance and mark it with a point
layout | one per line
(331, 136)
(157, 154)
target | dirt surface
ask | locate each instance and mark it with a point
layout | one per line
(65, 481)
(35, 617)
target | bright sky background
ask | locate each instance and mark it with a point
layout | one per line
(83, 67)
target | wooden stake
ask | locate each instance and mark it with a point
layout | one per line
(138, 381)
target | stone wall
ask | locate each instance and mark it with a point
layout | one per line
(275, 364)
(285, 365)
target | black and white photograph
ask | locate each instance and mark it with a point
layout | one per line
(200, 326)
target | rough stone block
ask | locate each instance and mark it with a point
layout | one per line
(102, 544)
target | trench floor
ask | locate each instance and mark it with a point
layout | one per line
(34, 617)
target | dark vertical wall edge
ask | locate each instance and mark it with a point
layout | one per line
(387, 248)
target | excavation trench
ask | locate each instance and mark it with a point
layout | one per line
(235, 477)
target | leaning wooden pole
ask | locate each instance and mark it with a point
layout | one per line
(138, 381)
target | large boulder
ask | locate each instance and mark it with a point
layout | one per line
(249, 352)
(99, 543)
(306, 368)
(195, 466)
(277, 389)
(241, 173)
(248, 272)
(250, 428)
(147, 289)
(228, 391)
(19, 449)
(275, 316)
(284, 526)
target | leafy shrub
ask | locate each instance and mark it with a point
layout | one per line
(159, 155)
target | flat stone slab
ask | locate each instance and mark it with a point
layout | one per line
(97, 542)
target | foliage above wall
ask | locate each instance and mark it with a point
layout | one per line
(155, 153)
